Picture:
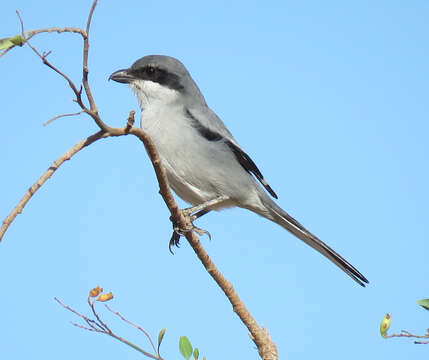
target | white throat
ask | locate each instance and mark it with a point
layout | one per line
(151, 93)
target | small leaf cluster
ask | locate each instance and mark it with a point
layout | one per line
(385, 324)
(186, 349)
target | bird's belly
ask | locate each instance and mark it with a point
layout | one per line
(198, 170)
(191, 174)
(181, 156)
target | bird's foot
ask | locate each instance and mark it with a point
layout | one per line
(179, 231)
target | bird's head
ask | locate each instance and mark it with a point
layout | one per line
(159, 77)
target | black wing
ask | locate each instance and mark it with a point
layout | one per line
(245, 161)
(248, 164)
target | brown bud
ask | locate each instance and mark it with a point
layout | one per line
(384, 326)
(105, 297)
(95, 292)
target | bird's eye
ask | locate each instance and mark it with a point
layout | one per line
(150, 70)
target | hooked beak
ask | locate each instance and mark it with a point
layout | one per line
(122, 76)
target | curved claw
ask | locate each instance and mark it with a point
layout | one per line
(201, 232)
(174, 241)
(177, 232)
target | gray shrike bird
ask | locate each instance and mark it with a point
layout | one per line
(205, 165)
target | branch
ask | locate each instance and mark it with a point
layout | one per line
(48, 173)
(266, 347)
(92, 105)
(99, 326)
(132, 324)
(405, 333)
(47, 63)
(61, 116)
(92, 111)
(29, 34)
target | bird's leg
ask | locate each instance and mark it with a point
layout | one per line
(199, 214)
(191, 214)
(204, 206)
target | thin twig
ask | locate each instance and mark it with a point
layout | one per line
(102, 328)
(30, 33)
(27, 35)
(104, 325)
(86, 319)
(405, 333)
(48, 173)
(70, 82)
(88, 92)
(61, 116)
(132, 324)
(78, 93)
(6, 50)
(82, 327)
(22, 24)
(135, 347)
(130, 121)
(93, 112)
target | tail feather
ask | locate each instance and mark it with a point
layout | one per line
(289, 223)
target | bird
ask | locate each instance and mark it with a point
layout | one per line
(205, 165)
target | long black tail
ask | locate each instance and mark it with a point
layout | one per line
(289, 223)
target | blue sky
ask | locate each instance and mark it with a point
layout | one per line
(328, 98)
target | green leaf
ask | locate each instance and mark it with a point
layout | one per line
(160, 337)
(424, 303)
(196, 353)
(5, 43)
(185, 347)
(12, 41)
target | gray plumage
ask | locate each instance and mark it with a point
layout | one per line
(202, 159)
